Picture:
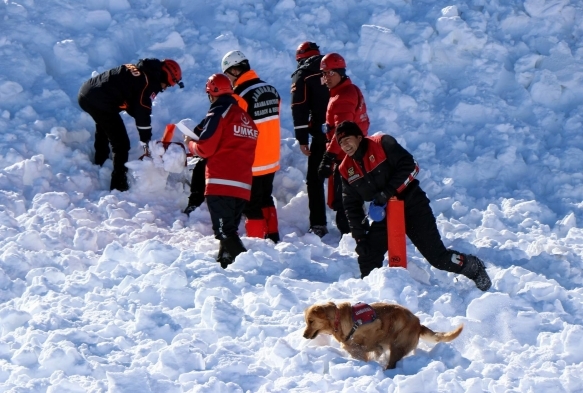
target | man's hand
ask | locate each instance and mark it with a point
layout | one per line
(305, 149)
(187, 139)
(325, 169)
(381, 198)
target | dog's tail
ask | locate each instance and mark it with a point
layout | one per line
(436, 337)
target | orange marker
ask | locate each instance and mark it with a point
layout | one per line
(396, 233)
(168, 134)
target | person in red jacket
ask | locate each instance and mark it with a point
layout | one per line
(346, 103)
(227, 140)
(130, 88)
(262, 101)
(376, 169)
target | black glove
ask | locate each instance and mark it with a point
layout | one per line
(325, 168)
(145, 135)
(362, 247)
(381, 198)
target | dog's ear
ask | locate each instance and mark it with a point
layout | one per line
(317, 310)
(330, 309)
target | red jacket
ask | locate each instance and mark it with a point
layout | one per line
(228, 141)
(346, 104)
(379, 164)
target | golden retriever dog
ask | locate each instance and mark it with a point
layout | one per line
(395, 329)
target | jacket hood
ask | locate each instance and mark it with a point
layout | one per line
(311, 63)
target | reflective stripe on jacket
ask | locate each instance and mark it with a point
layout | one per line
(263, 103)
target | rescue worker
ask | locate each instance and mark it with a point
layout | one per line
(130, 88)
(376, 169)
(227, 141)
(309, 100)
(346, 104)
(262, 102)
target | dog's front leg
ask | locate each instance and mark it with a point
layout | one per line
(356, 351)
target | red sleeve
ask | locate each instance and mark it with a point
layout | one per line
(208, 143)
(342, 109)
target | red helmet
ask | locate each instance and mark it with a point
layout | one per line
(307, 49)
(218, 84)
(173, 72)
(332, 61)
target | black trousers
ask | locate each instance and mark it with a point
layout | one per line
(225, 214)
(421, 229)
(197, 184)
(109, 129)
(338, 206)
(261, 190)
(315, 185)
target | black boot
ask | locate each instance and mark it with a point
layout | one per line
(119, 181)
(474, 269)
(221, 253)
(274, 237)
(101, 157)
(229, 249)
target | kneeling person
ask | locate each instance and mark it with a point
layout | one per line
(376, 169)
(227, 141)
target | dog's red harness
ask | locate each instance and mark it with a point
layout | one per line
(362, 314)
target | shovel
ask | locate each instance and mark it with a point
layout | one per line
(167, 139)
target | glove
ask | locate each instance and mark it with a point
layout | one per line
(381, 198)
(376, 212)
(362, 247)
(325, 168)
(145, 135)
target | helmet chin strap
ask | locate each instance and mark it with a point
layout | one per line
(211, 98)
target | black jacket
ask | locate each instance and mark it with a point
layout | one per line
(309, 99)
(394, 175)
(129, 88)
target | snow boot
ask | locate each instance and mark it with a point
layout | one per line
(101, 157)
(119, 181)
(474, 269)
(319, 230)
(270, 216)
(229, 249)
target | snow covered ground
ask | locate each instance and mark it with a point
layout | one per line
(119, 292)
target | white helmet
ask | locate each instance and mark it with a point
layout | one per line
(231, 59)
